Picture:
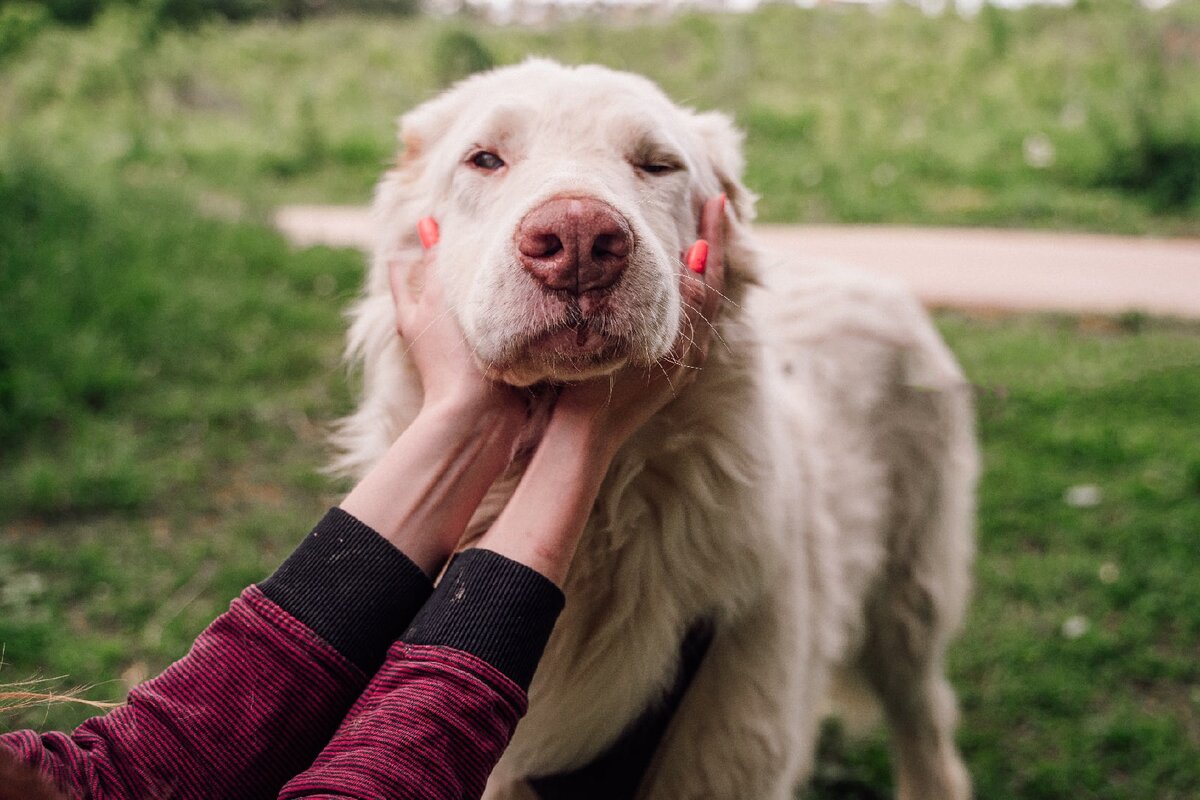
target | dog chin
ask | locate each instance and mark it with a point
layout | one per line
(558, 373)
(560, 356)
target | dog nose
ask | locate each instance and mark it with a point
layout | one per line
(574, 244)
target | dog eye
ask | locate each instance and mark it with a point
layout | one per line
(657, 168)
(485, 160)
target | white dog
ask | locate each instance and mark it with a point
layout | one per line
(811, 493)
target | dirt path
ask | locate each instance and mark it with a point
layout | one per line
(962, 268)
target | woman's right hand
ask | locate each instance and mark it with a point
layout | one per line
(541, 525)
(612, 408)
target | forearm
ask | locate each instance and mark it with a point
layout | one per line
(541, 525)
(422, 493)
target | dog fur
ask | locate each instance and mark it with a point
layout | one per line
(812, 491)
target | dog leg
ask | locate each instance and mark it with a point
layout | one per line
(747, 726)
(926, 436)
(903, 661)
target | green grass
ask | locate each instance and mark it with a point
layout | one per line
(164, 381)
(1116, 712)
(168, 366)
(167, 378)
(852, 115)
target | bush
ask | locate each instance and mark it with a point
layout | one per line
(19, 24)
(49, 365)
(132, 326)
(458, 54)
(192, 12)
(1162, 164)
(71, 12)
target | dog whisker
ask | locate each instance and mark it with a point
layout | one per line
(426, 330)
(724, 297)
(667, 376)
(712, 327)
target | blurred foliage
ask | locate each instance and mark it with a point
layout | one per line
(133, 328)
(457, 54)
(193, 12)
(165, 376)
(1047, 117)
(20, 23)
(1161, 162)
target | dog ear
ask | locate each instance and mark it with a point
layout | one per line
(402, 194)
(391, 390)
(721, 143)
(425, 125)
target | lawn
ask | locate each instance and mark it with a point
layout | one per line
(169, 367)
(1081, 118)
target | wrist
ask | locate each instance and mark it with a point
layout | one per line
(541, 525)
(421, 494)
(472, 416)
(585, 436)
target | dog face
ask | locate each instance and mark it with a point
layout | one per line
(565, 198)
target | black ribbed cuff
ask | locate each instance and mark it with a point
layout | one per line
(351, 586)
(494, 608)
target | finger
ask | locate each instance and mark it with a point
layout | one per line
(402, 295)
(713, 229)
(697, 256)
(407, 285)
(707, 253)
(712, 220)
(428, 232)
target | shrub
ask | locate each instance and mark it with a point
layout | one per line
(458, 54)
(71, 12)
(132, 325)
(19, 24)
(192, 12)
(1162, 163)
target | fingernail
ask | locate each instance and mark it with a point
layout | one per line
(698, 257)
(427, 230)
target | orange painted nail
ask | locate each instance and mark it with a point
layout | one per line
(697, 258)
(427, 230)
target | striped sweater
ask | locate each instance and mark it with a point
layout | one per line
(343, 675)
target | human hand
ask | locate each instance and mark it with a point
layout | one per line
(434, 341)
(422, 493)
(612, 408)
(542, 522)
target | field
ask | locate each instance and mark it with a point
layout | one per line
(168, 366)
(1081, 118)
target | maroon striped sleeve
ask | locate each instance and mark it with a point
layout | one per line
(267, 684)
(432, 725)
(437, 716)
(262, 689)
(252, 703)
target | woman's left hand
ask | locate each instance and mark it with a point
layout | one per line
(434, 341)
